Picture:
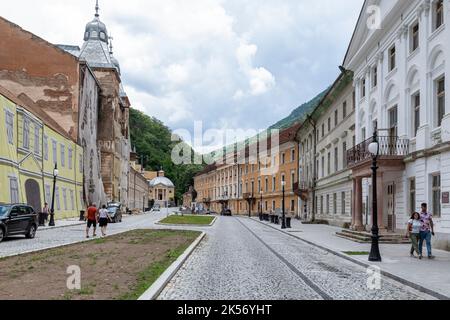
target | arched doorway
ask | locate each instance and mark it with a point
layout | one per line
(33, 193)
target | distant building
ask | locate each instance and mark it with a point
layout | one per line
(162, 190)
(138, 189)
(31, 144)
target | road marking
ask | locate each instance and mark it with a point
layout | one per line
(301, 275)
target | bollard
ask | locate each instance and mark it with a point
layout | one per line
(82, 212)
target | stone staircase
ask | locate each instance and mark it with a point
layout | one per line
(366, 237)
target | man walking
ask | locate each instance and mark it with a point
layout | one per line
(92, 220)
(427, 231)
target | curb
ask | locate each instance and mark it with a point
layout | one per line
(61, 227)
(403, 281)
(155, 290)
(187, 225)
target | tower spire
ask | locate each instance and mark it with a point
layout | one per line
(96, 9)
(110, 45)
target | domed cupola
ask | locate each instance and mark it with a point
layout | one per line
(96, 30)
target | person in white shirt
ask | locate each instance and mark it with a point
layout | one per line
(103, 220)
(413, 233)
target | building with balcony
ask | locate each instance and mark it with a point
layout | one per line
(325, 187)
(400, 69)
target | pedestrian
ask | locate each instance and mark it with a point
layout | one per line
(104, 219)
(45, 212)
(92, 219)
(426, 231)
(413, 233)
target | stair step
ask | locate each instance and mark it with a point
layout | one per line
(365, 237)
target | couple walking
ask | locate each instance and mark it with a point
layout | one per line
(420, 230)
(94, 217)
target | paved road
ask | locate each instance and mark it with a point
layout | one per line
(242, 259)
(61, 236)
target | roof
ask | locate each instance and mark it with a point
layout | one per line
(25, 102)
(162, 181)
(73, 50)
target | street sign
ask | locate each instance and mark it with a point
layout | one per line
(446, 197)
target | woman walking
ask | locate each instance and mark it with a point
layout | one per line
(414, 226)
(104, 218)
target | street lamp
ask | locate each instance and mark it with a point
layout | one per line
(52, 210)
(283, 207)
(374, 149)
(261, 206)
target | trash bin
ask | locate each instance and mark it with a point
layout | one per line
(41, 216)
(82, 213)
(288, 222)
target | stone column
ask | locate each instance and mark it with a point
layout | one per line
(358, 205)
(353, 205)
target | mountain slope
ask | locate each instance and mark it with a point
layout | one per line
(153, 140)
(300, 113)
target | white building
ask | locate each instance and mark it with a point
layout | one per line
(325, 181)
(400, 54)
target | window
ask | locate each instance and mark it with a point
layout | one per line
(9, 119)
(343, 203)
(323, 130)
(344, 110)
(292, 180)
(283, 158)
(440, 100)
(58, 203)
(26, 133)
(293, 155)
(323, 166)
(274, 183)
(336, 159)
(274, 205)
(328, 204)
(70, 158)
(335, 204)
(354, 100)
(374, 77)
(415, 37)
(336, 118)
(392, 58)
(416, 113)
(438, 14)
(322, 207)
(344, 154)
(65, 199)
(55, 151)
(329, 124)
(63, 155)
(412, 195)
(363, 134)
(292, 205)
(363, 88)
(37, 145)
(48, 196)
(14, 190)
(436, 189)
(259, 186)
(45, 148)
(329, 163)
(267, 185)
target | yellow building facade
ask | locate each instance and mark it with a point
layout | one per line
(31, 144)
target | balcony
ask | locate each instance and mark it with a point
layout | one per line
(302, 189)
(390, 148)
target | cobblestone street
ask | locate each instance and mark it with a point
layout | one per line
(242, 259)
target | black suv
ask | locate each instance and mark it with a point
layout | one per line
(17, 219)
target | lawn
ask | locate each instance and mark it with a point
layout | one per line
(188, 220)
(120, 267)
(356, 253)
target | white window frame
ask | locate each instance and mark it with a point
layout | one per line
(26, 133)
(9, 124)
(14, 190)
(55, 151)
(70, 160)
(37, 142)
(63, 155)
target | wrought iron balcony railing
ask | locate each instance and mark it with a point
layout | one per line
(390, 146)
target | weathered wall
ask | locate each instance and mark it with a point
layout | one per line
(48, 75)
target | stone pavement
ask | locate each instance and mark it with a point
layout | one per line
(241, 259)
(431, 274)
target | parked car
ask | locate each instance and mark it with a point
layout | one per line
(156, 208)
(17, 219)
(115, 213)
(226, 212)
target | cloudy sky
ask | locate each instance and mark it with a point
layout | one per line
(228, 63)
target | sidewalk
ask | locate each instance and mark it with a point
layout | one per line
(433, 275)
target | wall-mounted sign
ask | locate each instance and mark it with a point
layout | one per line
(446, 197)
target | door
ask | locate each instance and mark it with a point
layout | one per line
(33, 193)
(14, 221)
(391, 207)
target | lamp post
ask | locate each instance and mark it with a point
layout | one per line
(374, 149)
(261, 206)
(283, 207)
(52, 210)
